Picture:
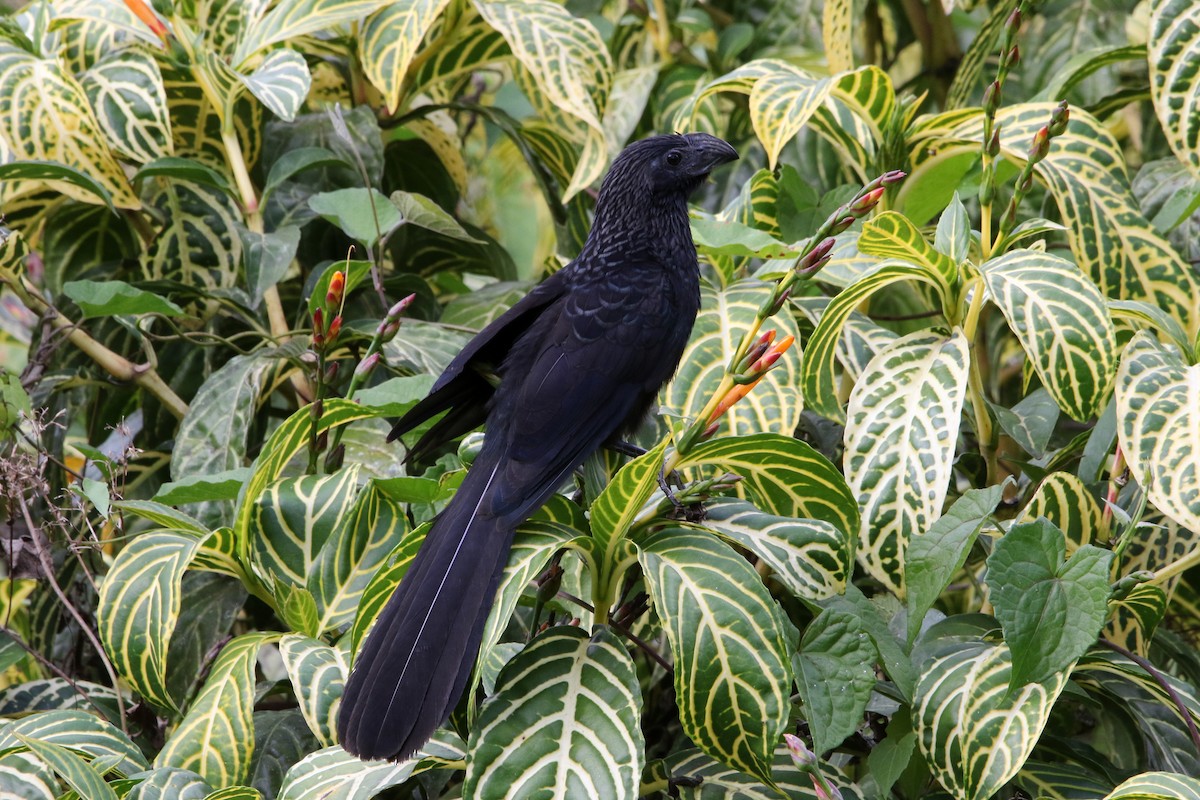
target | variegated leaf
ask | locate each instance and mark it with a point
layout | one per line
(291, 18)
(139, 605)
(813, 558)
(81, 776)
(617, 507)
(1063, 323)
(1174, 55)
(280, 82)
(168, 783)
(1064, 500)
(774, 406)
(1157, 786)
(295, 517)
(570, 65)
(715, 781)
(334, 774)
(974, 732)
(818, 372)
(783, 476)
(79, 730)
(892, 236)
(1112, 241)
(837, 22)
(901, 434)
(384, 582)
(198, 246)
(390, 38)
(45, 116)
(730, 644)
(318, 674)
(126, 91)
(472, 45)
(1134, 618)
(109, 14)
(1158, 405)
(216, 738)
(982, 47)
(563, 723)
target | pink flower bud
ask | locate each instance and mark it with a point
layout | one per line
(802, 757)
(399, 308)
(367, 364)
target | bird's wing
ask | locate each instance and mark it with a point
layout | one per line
(460, 387)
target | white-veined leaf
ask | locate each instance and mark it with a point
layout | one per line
(1174, 55)
(280, 82)
(390, 38)
(318, 674)
(126, 91)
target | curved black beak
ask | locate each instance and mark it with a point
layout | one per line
(711, 152)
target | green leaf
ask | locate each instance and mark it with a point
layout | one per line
(82, 731)
(891, 235)
(293, 162)
(731, 238)
(216, 738)
(934, 557)
(1158, 406)
(974, 732)
(396, 395)
(835, 675)
(281, 82)
(267, 258)
(138, 605)
(711, 779)
(1174, 55)
(110, 298)
(1062, 321)
(1066, 501)
(730, 644)
(334, 774)
(355, 273)
(292, 18)
(953, 236)
(97, 494)
(1051, 608)
(563, 722)
(1157, 786)
(901, 434)
(384, 583)
(223, 485)
(813, 558)
(616, 508)
(79, 774)
(187, 169)
(783, 476)
(318, 673)
(1031, 422)
(366, 215)
(169, 783)
(419, 210)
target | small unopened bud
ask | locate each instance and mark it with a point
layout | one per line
(549, 583)
(710, 431)
(337, 289)
(991, 98)
(335, 327)
(842, 224)
(820, 788)
(331, 371)
(993, 148)
(367, 364)
(892, 177)
(387, 331)
(1041, 144)
(731, 397)
(772, 355)
(1013, 24)
(400, 307)
(1059, 119)
(802, 757)
(817, 253)
(868, 201)
(319, 321)
(777, 302)
(1011, 58)
(757, 349)
(1010, 218)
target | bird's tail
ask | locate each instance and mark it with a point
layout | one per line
(419, 654)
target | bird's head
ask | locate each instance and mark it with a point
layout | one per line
(674, 164)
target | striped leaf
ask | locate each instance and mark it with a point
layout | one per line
(725, 315)
(347, 562)
(294, 518)
(835, 673)
(139, 605)
(1134, 618)
(169, 783)
(198, 245)
(901, 434)
(318, 674)
(570, 64)
(818, 372)
(235, 793)
(837, 21)
(730, 644)
(390, 38)
(384, 582)
(892, 236)
(288, 439)
(47, 118)
(216, 738)
(1157, 786)
(709, 780)
(1174, 56)
(617, 507)
(1062, 321)
(563, 723)
(783, 476)
(1063, 499)
(973, 731)
(811, 557)
(280, 82)
(1111, 239)
(292, 18)
(334, 774)
(80, 731)
(106, 15)
(127, 94)
(1158, 405)
(78, 774)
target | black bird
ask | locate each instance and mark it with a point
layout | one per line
(580, 360)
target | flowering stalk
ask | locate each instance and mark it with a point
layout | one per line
(757, 353)
(1038, 150)
(1010, 55)
(806, 761)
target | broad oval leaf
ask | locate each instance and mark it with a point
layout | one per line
(974, 732)
(563, 723)
(390, 38)
(216, 738)
(80, 775)
(892, 235)
(1063, 323)
(835, 673)
(126, 91)
(292, 18)
(280, 82)
(1063, 499)
(1158, 405)
(901, 435)
(730, 643)
(1157, 786)
(1174, 55)
(334, 774)
(812, 557)
(318, 674)
(80, 731)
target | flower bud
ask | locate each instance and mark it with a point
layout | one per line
(1011, 58)
(993, 148)
(1041, 144)
(710, 431)
(757, 349)
(866, 202)
(893, 177)
(816, 254)
(772, 355)
(802, 757)
(1059, 119)
(842, 224)
(334, 328)
(399, 308)
(991, 98)
(331, 371)
(367, 364)
(337, 289)
(549, 583)
(387, 331)
(1014, 21)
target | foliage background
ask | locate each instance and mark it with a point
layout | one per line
(947, 541)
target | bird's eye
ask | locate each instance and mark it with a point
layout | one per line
(674, 157)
